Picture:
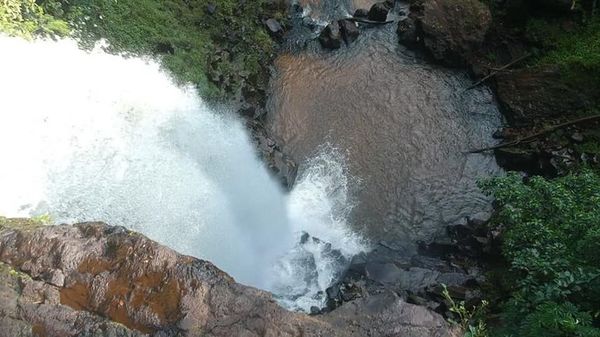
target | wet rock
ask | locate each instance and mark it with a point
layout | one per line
(120, 283)
(275, 28)
(383, 272)
(379, 11)
(281, 166)
(350, 31)
(407, 32)
(449, 30)
(361, 13)
(331, 36)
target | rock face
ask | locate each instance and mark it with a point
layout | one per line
(91, 279)
(449, 30)
(529, 94)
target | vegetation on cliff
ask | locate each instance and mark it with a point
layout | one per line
(26, 18)
(551, 244)
(221, 46)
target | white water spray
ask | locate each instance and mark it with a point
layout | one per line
(91, 136)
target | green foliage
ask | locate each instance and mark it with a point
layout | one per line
(470, 320)
(551, 242)
(575, 50)
(221, 53)
(25, 18)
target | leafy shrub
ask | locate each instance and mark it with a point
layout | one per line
(25, 18)
(551, 242)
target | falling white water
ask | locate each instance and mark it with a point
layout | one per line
(91, 136)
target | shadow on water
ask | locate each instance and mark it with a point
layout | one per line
(404, 124)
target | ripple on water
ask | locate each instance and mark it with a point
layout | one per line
(404, 124)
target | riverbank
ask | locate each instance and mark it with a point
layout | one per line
(541, 59)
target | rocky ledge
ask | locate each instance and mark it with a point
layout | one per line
(92, 279)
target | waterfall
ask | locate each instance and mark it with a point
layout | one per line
(87, 136)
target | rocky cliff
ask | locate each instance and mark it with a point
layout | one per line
(92, 279)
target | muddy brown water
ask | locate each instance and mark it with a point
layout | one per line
(403, 124)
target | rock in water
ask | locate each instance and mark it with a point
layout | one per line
(407, 32)
(350, 31)
(92, 278)
(331, 36)
(379, 11)
(361, 13)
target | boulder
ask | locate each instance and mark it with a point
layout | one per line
(449, 30)
(94, 279)
(407, 32)
(379, 11)
(275, 28)
(331, 36)
(361, 13)
(350, 31)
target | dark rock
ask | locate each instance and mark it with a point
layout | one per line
(164, 48)
(361, 13)
(331, 36)
(407, 32)
(315, 310)
(530, 161)
(275, 28)
(379, 11)
(350, 31)
(383, 272)
(450, 30)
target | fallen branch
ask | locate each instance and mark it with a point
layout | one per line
(355, 19)
(538, 134)
(496, 71)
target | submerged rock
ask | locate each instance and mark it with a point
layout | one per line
(92, 278)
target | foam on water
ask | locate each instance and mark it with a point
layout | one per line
(91, 136)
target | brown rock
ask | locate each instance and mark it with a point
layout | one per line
(112, 275)
(451, 30)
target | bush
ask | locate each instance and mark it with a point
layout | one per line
(551, 244)
(221, 51)
(25, 18)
